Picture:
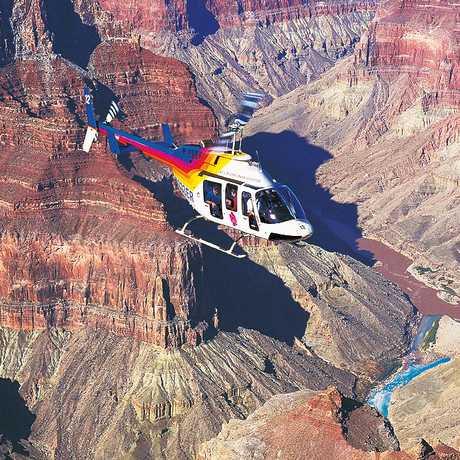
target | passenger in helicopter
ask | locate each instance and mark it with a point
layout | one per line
(231, 197)
(248, 210)
(213, 197)
(272, 209)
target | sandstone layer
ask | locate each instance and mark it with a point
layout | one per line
(382, 129)
(313, 425)
(80, 240)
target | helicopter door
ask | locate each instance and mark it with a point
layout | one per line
(212, 193)
(248, 209)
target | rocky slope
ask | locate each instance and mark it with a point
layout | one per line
(102, 396)
(357, 320)
(232, 47)
(429, 404)
(387, 119)
(314, 425)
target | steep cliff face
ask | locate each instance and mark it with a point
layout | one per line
(313, 425)
(233, 47)
(82, 245)
(388, 120)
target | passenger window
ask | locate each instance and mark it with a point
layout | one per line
(212, 192)
(231, 193)
(248, 210)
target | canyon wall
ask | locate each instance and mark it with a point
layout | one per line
(80, 240)
(233, 47)
(387, 119)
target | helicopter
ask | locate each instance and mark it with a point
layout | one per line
(222, 183)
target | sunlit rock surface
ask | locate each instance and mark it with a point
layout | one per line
(387, 119)
(314, 425)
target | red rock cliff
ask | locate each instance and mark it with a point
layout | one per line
(81, 244)
(179, 15)
(420, 38)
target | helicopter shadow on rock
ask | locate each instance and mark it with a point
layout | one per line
(293, 161)
(245, 294)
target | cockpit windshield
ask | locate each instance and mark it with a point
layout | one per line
(292, 202)
(277, 205)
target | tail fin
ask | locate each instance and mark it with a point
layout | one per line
(167, 136)
(91, 132)
(89, 103)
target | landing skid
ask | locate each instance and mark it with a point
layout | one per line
(184, 232)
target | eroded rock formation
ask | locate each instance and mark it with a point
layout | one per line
(314, 425)
(102, 396)
(356, 319)
(233, 47)
(387, 118)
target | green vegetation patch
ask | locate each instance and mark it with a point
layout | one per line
(422, 270)
(430, 337)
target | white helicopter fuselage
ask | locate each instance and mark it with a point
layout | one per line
(239, 201)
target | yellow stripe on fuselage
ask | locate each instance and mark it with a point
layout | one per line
(214, 164)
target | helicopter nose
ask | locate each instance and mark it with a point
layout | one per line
(306, 230)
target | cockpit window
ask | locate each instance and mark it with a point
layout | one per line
(278, 205)
(295, 208)
(271, 207)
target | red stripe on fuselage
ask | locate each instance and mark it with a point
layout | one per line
(167, 158)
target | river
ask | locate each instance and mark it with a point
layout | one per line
(393, 266)
(380, 397)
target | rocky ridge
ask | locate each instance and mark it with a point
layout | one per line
(102, 396)
(363, 330)
(314, 425)
(390, 110)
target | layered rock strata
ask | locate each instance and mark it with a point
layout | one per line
(387, 118)
(356, 319)
(82, 245)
